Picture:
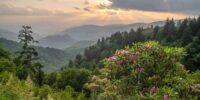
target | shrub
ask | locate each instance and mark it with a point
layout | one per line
(144, 70)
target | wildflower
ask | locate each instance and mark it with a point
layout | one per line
(117, 52)
(125, 52)
(166, 97)
(120, 62)
(112, 58)
(132, 57)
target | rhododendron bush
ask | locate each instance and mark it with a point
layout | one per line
(143, 71)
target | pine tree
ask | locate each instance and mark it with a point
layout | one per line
(183, 25)
(28, 55)
(155, 32)
(187, 36)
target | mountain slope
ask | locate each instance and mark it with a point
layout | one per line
(57, 41)
(94, 32)
(78, 48)
(70, 36)
(51, 58)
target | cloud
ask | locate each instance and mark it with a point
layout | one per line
(29, 11)
(180, 6)
(88, 9)
(102, 6)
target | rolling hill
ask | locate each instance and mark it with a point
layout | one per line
(56, 41)
(51, 58)
(73, 35)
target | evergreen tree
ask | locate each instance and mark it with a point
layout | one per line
(28, 55)
(183, 25)
(155, 32)
(191, 61)
(70, 63)
(187, 36)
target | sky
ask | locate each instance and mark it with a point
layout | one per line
(52, 16)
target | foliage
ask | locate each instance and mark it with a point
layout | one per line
(146, 71)
(73, 77)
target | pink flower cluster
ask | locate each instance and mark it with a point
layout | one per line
(113, 58)
(119, 62)
(132, 57)
(123, 52)
(140, 70)
(166, 97)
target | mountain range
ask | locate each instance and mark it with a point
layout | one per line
(73, 35)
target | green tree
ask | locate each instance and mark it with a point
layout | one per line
(187, 36)
(28, 56)
(6, 63)
(155, 32)
(183, 25)
(73, 77)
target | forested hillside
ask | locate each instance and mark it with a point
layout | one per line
(183, 34)
(52, 59)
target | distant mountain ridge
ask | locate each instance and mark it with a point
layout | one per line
(94, 32)
(89, 33)
(57, 41)
(8, 35)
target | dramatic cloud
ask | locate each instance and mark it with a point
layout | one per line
(178, 6)
(102, 6)
(29, 11)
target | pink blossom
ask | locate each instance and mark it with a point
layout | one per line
(120, 62)
(112, 58)
(140, 70)
(132, 57)
(166, 97)
(125, 52)
(153, 90)
(117, 52)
